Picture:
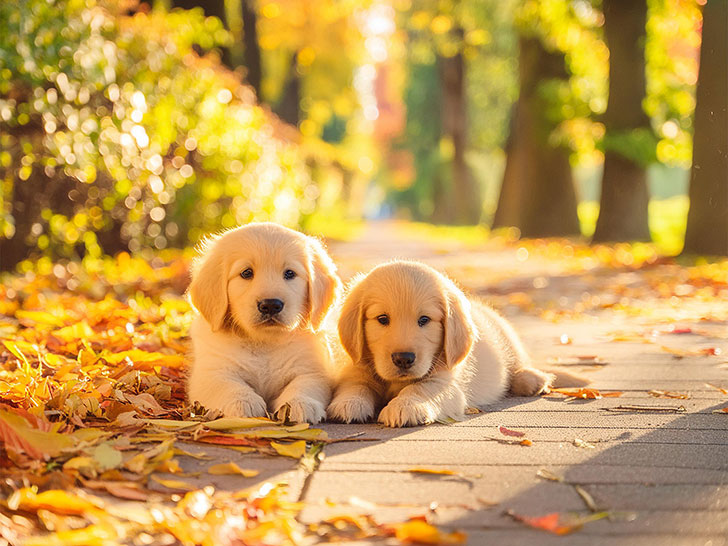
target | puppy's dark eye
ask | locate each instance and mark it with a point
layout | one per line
(383, 320)
(423, 320)
(289, 274)
(247, 274)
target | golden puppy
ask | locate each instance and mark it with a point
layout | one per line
(262, 292)
(422, 351)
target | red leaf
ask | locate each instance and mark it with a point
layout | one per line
(508, 432)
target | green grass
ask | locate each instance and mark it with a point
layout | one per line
(667, 218)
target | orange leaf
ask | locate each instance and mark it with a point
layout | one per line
(421, 532)
(20, 436)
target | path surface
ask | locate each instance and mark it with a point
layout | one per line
(662, 474)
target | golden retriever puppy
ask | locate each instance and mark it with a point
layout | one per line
(262, 292)
(422, 351)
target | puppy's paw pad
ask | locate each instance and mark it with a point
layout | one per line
(530, 382)
(301, 410)
(404, 414)
(246, 407)
(351, 409)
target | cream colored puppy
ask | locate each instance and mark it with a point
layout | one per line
(422, 351)
(262, 291)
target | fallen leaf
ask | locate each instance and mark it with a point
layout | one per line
(526, 442)
(174, 484)
(443, 471)
(719, 389)
(585, 393)
(548, 475)
(668, 394)
(19, 436)
(553, 523)
(578, 442)
(294, 449)
(231, 468)
(420, 532)
(508, 432)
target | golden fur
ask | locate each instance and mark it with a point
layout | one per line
(466, 353)
(244, 363)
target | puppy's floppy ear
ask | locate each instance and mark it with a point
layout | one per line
(208, 289)
(351, 324)
(459, 329)
(323, 282)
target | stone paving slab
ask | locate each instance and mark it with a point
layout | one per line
(667, 471)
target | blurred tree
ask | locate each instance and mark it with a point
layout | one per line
(537, 195)
(115, 135)
(211, 8)
(707, 229)
(251, 47)
(441, 40)
(468, 205)
(624, 197)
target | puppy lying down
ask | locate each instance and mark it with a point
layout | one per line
(262, 292)
(420, 350)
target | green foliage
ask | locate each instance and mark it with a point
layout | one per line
(122, 136)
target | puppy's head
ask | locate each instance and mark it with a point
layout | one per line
(263, 279)
(406, 319)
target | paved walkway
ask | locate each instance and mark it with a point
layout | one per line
(661, 472)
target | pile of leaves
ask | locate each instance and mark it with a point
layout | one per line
(94, 421)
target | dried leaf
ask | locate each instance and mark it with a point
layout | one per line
(553, 522)
(420, 532)
(443, 471)
(19, 436)
(548, 475)
(578, 442)
(173, 484)
(231, 468)
(668, 394)
(508, 432)
(294, 449)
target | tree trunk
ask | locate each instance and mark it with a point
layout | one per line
(624, 199)
(251, 51)
(289, 105)
(468, 205)
(707, 231)
(212, 8)
(537, 195)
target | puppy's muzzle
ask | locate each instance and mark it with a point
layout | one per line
(270, 307)
(403, 361)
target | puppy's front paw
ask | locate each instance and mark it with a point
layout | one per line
(406, 413)
(530, 382)
(300, 410)
(351, 409)
(251, 405)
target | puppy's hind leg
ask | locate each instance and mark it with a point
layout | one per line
(530, 382)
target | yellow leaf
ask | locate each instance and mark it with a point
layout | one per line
(228, 423)
(19, 436)
(106, 456)
(88, 536)
(420, 470)
(78, 462)
(174, 484)
(231, 468)
(53, 500)
(288, 432)
(171, 423)
(39, 317)
(295, 449)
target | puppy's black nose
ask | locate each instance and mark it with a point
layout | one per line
(270, 307)
(403, 360)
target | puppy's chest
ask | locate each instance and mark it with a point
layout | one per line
(266, 371)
